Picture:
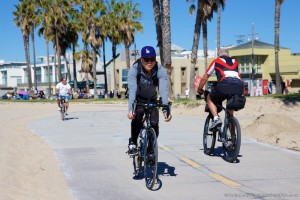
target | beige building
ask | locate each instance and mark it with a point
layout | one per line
(264, 67)
(181, 64)
(263, 77)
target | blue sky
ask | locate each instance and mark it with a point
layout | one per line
(236, 19)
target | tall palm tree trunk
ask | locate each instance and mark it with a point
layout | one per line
(166, 30)
(94, 74)
(157, 17)
(68, 68)
(55, 67)
(58, 57)
(74, 70)
(218, 26)
(114, 50)
(127, 56)
(204, 30)
(34, 59)
(104, 63)
(48, 67)
(196, 38)
(276, 45)
(27, 55)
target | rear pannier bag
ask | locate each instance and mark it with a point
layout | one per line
(236, 102)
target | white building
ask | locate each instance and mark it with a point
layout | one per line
(14, 74)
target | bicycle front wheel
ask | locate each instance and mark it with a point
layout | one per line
(209, 138)
(62, 112)
(233, 140)
(138, 159)
(150, 159)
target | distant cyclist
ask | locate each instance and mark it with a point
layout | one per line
(63, 89)
(144, 77)
(228, 82)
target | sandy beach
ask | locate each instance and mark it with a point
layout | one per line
(29, 168)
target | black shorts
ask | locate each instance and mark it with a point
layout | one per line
(225, 88)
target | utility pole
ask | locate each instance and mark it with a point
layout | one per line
(252, 70)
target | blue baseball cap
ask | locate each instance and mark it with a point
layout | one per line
(148, 51)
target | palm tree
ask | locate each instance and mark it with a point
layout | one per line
(207, 15)
(72, 35)
(158, 26)
(23, 20)
(129, 21)
(220, 3)
(199, 19)
(46, 30)
(111, 27)
(163, 34)
(276, 45)
(166, 34)
(59, 11)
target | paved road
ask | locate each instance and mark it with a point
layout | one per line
(91, 147)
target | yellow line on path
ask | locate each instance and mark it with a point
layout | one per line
(164, 147)
(190, 162)
(224, 180)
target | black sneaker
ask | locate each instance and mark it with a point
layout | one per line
(132, 149)
(215, 123)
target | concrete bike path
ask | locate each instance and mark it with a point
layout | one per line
(91, 147)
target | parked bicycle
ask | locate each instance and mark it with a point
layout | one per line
(147, 150)
(229, 134)
(62, 104)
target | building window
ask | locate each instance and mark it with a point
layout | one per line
(242, 63)
(4, 77)
(38, 75)
(19, 79)
(46, 78)
(124, 76)
(247, 60)
(183, 72)
(62, 69)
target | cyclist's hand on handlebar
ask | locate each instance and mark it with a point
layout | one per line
(200, 91)
(167, 118)
(131, 115)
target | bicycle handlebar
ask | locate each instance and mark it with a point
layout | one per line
(151, 105)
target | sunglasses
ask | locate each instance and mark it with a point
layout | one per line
(149, 59)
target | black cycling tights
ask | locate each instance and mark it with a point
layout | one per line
(136, 124)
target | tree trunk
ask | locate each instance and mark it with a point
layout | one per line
(195, 48)
(87, 83)
(74, 70)
(167, 43)
(27, 56)
(104, 66)
(204, 29)
(158, 26)
(218, 26)
(68, 68)
(34, 60)
(127, 56)
(48, 69)
(94, 74)
(277, 23)
(114, 50)
(58, 57)
(55, 67)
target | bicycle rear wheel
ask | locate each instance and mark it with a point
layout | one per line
(233, 140)
(150, 159)
(209, 138)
